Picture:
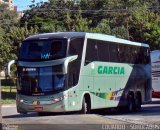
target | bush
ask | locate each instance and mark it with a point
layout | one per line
(8, 82)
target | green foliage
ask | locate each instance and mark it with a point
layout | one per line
(18, 34)
(5, 54)
(103, 27)
(8, 95)
(136, 20)
(145, 27)
(152, 35)
(7, 18)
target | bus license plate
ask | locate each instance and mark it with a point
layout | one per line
(38, 108)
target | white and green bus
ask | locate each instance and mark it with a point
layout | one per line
(78, 71)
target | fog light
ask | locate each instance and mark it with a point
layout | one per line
(21, 101)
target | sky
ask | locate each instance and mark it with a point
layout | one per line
(24, 4)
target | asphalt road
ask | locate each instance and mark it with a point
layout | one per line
(147, 118)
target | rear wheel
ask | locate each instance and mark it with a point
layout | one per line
(131, 104)
(138, 102)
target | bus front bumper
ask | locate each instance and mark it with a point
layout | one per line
(25, 105)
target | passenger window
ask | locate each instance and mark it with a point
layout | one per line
(91, 51)
(113, 47)
(75, 48)
(121, 53)
(103, 51)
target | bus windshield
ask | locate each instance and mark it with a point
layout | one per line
(42, 80)
(43, 50)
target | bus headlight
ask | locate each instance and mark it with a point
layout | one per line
(21, 101)
(58, 99)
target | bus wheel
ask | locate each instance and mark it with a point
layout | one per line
(131, 104)
(138, 102)
(42, 113)
(23, 113)
(85, 106)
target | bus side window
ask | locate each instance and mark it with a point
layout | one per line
(138, 60)
(91, 51)
(113, 48)
(103, 51)
(128, 54)
(134, 52)
(142, 56)
(146, 56)
(121, 54)
(75, 48)
(133, 55)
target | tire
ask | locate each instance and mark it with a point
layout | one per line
(42, 114)
(130, 104)
(21, 111)
(138, 103)
(86, 107)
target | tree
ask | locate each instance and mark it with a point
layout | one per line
(152, 34)
(18, 34)
(5, 54)
(144, 27)
(8, 19)
(129, 19)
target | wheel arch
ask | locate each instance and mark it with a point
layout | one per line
(130, 93)
(139, 95)
(87, 96)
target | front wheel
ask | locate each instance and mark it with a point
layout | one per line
(86, 107)
(42, 114)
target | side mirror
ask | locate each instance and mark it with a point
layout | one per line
(8, 68)
(67, 60)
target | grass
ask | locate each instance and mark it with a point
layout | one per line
(7, 96)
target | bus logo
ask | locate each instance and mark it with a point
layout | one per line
(45, 56)
(111, 70)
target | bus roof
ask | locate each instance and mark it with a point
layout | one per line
(98, 36)
(53, 35)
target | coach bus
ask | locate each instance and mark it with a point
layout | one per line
(79, 71)
(155, 62)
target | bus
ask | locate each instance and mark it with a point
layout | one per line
(155, 62)
(80, 71)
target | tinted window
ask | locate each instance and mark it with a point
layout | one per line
(75, 48)
(145, 54)
(43, 50)
(103, 52)
(40, 80)
(106, 51)
(91, 51)
(113, 48)
(121, 53)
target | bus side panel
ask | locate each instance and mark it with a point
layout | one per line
(139, 81)
(109, 80)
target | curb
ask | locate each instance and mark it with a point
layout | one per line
(7, 106)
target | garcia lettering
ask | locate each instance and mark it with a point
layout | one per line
(111, 70)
